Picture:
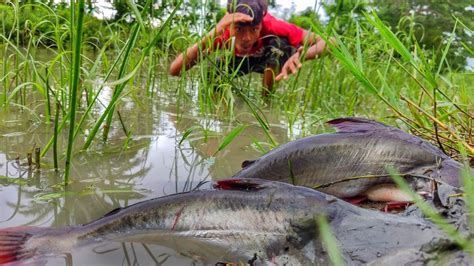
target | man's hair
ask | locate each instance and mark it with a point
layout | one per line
(254, 8)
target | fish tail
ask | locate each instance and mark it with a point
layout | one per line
(12, 243)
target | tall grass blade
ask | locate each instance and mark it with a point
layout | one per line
(392, 39)
(229, 138)
(388, 35)
(446, 49)
(74, 83)
(330, 242)
(468, 186)
(262, 120)
(118, 90)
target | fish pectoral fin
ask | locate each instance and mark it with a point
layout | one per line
(240, 184)
(355, 124)
(247, 163)
(387, 193)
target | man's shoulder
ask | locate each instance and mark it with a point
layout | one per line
(281, 28)
(268, 19)
(271, 23)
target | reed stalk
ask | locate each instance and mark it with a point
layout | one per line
(76, 37)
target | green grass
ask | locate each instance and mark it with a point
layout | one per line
(371, 72)
(76, 36)
(330, 242)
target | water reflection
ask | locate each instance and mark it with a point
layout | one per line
(152, 163)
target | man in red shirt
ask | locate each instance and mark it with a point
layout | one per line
(262, 44)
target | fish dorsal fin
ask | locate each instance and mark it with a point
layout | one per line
(247, 163)
(356, 124)
(112, 212)
(239, 184)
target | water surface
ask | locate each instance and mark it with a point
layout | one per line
(154, 162)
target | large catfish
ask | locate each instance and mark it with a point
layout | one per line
(241, 220)
(354, 161)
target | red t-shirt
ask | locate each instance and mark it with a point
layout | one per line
(270, 26)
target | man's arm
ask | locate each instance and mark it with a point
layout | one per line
(317, 48)
(190, 57)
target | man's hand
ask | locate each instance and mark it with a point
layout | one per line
(291, 66)
(230, 18)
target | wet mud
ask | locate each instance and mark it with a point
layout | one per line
(407, 237)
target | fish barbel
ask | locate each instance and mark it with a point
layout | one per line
(242, 220)
(351, 161)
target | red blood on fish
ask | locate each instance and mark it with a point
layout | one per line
(238, 184)
(356, 200)
(396, 205)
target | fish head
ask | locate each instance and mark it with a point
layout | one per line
(447, 171)
(422, 185)
(450, 172)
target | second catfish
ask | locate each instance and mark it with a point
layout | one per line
(354, 161)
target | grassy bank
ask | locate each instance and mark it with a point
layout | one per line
(372, 71)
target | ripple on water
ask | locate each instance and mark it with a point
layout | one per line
(14, 134)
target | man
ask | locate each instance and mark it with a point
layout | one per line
(262, 44)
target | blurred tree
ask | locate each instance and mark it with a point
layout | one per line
(343, 13)
(431, 23)
(90, 6)
(426, 22)
(121, 9)
(308, 19)
(197, 13)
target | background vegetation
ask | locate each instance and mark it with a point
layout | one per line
(401, 62)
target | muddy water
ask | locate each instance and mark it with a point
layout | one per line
(125, 171)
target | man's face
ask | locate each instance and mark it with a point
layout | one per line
(245, 36)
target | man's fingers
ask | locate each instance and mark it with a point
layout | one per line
(240, 17)
(230, 18)
(292, 67)
(298, 62)
(246, 17)
(283, 74)
(295, 65)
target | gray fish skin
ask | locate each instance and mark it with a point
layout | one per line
(361, 147)
(274, 221)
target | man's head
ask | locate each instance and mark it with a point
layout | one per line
(247, 34)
